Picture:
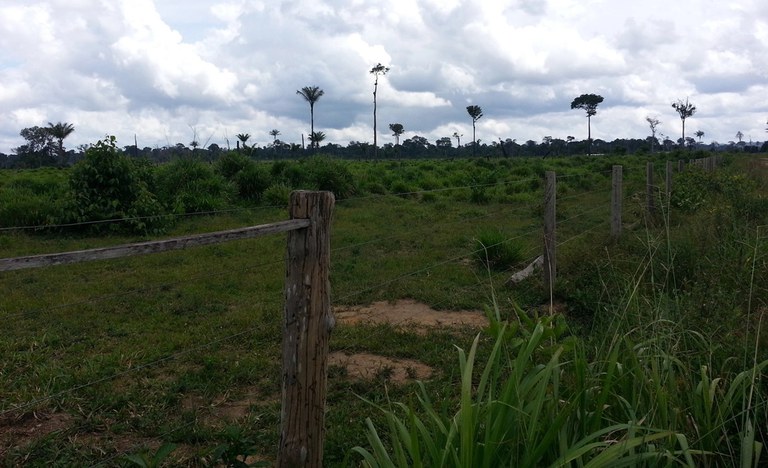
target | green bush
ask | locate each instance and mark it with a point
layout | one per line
(277, 195)
(252, 181)
(192, 186)
(231, 163)
(324, 173)
(108, 185)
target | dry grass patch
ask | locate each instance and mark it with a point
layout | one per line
(407, 313)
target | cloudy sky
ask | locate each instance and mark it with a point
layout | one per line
(171, 71)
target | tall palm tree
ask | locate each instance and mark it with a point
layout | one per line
(376, 71)
(684, 110)
(311, 94)
(475, 112)
(60, 131)
(243, 137)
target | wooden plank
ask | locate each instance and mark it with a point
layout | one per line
(142, 248)
(308, 322)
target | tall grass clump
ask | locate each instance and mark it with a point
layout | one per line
(32, 198)
(535, 401)
(495, 251)
(542, 398)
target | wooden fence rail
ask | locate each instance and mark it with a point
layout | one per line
(307, 311)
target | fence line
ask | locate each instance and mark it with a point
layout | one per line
(307, 295)
(308, 322)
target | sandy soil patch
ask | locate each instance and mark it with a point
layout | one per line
(406, 314)
(363, 366)
(409, 314)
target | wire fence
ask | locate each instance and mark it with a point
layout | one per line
(417, 231)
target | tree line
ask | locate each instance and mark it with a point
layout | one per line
(45, 145)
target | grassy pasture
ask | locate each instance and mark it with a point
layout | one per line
(117, 357)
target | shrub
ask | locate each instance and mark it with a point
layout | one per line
(231, 163)
(191, 186)
(107, 185)
(252, 181)
(277, 195)
(325, 173)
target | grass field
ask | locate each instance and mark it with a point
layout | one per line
(104, 360)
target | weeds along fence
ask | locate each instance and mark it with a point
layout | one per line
(307, 319)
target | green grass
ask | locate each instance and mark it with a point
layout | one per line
(217, 312)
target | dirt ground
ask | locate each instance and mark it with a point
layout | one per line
(406, 313)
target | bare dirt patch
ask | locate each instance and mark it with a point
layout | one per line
(363, 366)
(222, 410)
(406, 314)
(410, 314)
(20, 431)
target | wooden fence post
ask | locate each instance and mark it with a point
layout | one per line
(649, 189)
(668, 180)
(680, 165)
(550, 233)
(617, 197)
(308, 324)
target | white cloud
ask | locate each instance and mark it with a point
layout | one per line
(155, 68)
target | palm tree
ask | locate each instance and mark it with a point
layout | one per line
(376, 71)
(242, 137)
(739, 136)
(397, 130)
(311, 94)
(274, 133)
(685, 110)
(699, 135)
(475, 112)
(315, 138)
(60, 131)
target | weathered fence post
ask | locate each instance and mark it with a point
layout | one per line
(617, 197)
(550, 234)
(680, 165)
(308, 325)
(649, 189)
(668, 180)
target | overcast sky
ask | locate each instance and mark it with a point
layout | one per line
(170, 71)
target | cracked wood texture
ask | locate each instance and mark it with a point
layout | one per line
(308, 322)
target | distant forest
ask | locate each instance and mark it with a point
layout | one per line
(48, 153)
